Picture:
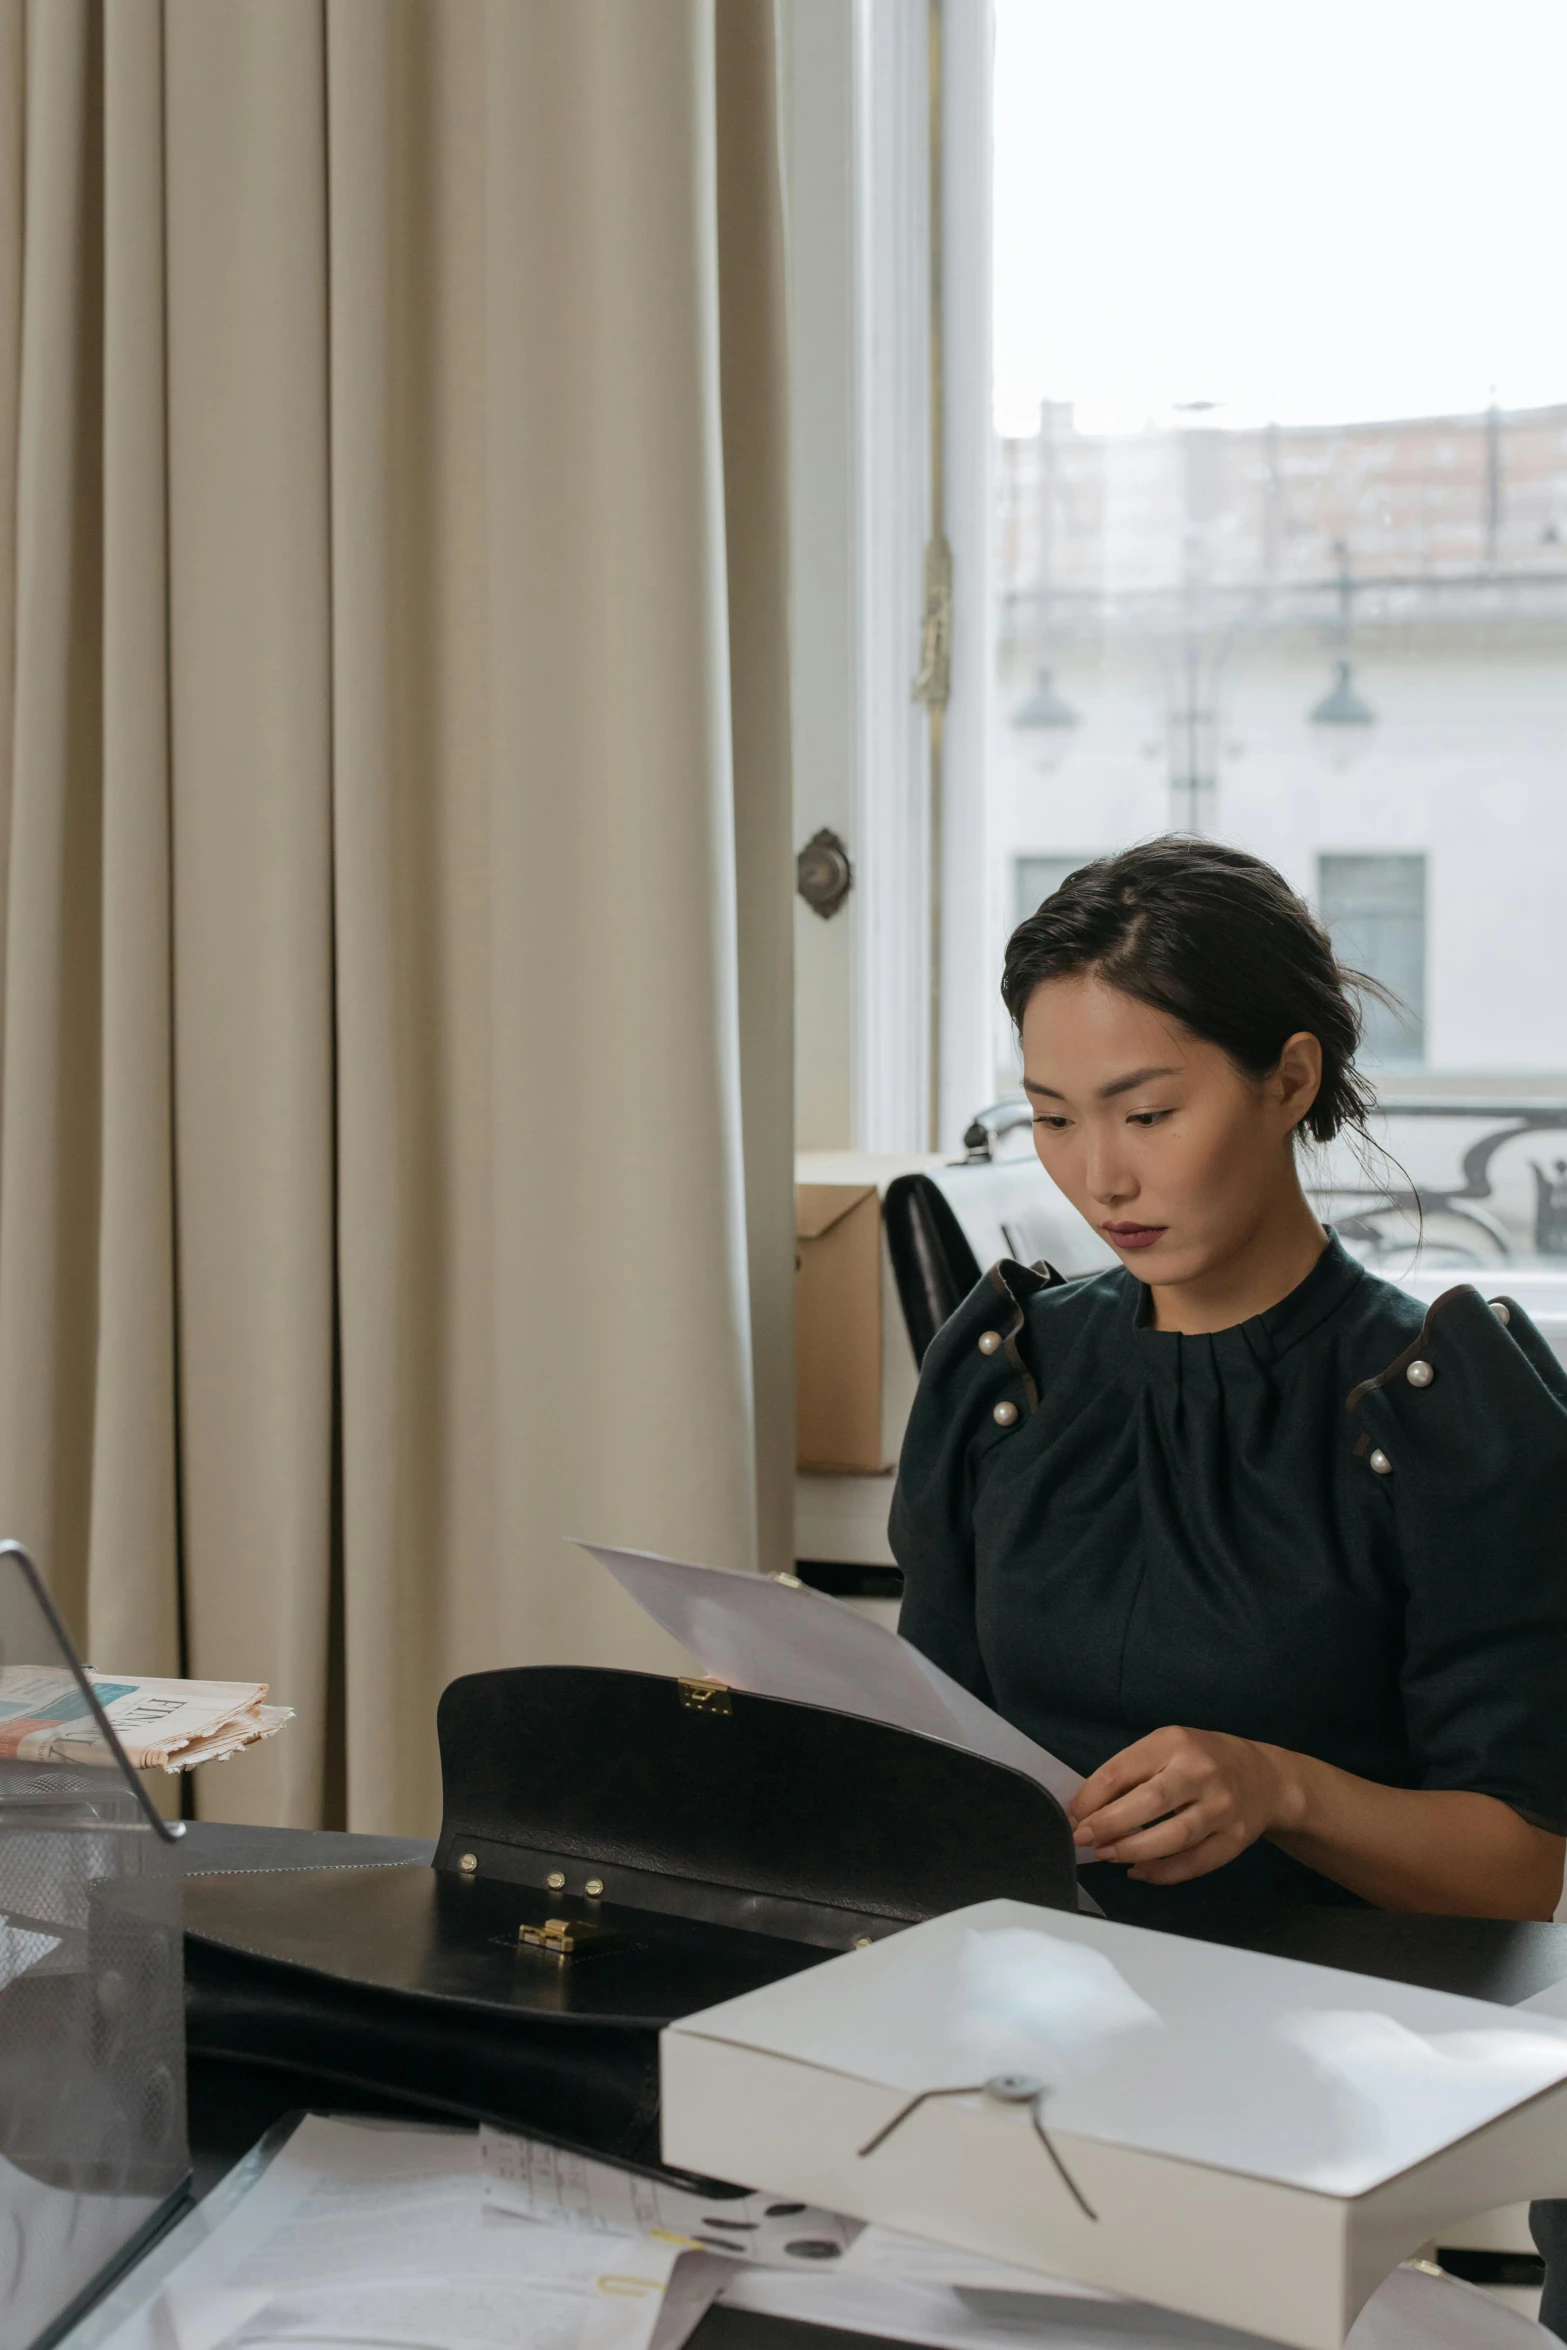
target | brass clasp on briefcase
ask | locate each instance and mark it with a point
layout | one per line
(705, 1697)
(565, 1938)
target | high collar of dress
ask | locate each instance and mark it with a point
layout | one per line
(1309, 1304)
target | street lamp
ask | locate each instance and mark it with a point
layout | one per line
(1342, 720)
(1052, 718)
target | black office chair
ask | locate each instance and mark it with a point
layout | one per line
(932, 1262)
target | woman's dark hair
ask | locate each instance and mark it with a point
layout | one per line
(1216, 940)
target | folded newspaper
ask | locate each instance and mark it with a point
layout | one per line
(162, 1725)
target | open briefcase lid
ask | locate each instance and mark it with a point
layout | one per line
(616, 1850)
(621, 1849)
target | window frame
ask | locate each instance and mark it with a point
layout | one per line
(857, 146)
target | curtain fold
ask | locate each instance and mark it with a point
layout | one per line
(132, 1601)
(250, 669)
(395, 1172)
(754, 369)
(49, 1114)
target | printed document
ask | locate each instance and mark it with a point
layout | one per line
(361, 2233)
(784, 1640)
(535, 2181)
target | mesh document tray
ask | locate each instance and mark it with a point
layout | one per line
(694, 1843)
(92, 2074)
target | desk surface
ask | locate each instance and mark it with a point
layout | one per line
(1483, 1958)
(209, 1847)
(233, 2104)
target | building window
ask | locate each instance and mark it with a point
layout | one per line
(1035, 878)
(1375, 911)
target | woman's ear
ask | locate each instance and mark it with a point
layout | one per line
(1298, 1077)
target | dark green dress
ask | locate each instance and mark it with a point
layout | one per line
(1273, 1531)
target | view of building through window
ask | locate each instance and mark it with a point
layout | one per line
(1280, 529)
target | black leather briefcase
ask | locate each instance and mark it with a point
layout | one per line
(616, 1850)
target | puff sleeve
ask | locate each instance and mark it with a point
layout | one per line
(1466, 1435)
(975, 1366)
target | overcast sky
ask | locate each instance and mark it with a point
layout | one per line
(1307, 210)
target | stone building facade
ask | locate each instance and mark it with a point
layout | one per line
(1343, 646)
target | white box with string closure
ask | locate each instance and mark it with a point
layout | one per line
(1253, 2140)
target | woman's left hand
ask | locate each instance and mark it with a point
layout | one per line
(1181, 1802)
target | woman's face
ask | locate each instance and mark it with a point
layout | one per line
(1178, 1157)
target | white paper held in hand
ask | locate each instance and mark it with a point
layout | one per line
(785, 1640)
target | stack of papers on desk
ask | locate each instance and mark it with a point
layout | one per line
(1415, 2309)
(530, 2180)
(360, 2232)
(390, 2237)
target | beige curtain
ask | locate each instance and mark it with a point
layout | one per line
(394, 1150)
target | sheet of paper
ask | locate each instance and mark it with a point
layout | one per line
(1551, 2001)
(785, 1640)
(22, 1947)
(56, 2240)
(690, 2293)
(534, 2181)
(379, 2236)
(903, 2310)
(915, 2260)
(1412, 2310)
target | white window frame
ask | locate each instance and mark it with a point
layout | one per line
(857, 145)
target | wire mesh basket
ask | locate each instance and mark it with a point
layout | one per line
(93, 2149)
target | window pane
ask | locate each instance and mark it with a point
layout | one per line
(1281, 483)
(1036, 878)
(1375, 909)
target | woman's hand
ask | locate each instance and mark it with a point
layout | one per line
(1181, 1802)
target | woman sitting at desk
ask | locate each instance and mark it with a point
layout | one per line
(1274, 1558)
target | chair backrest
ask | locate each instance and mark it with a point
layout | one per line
(943, 1228)
(932, 1262)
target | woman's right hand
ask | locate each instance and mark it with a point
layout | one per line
(1180, 1803)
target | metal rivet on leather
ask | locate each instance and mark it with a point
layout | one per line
(1420, 1374)
(1380, 1462)
(1500, 1311)
(556, 1880)
(989, 1341)
(1004, 1414)
(468, 1862)
(594, 1886)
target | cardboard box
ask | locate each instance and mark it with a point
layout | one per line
(838, 1327)
(1255, 2141)
(854, 1367)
